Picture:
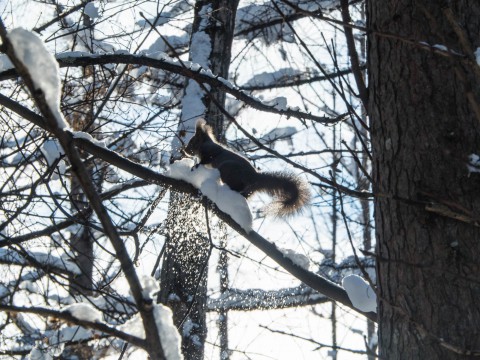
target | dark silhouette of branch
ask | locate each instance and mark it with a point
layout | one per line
(64, 136)
(352, 52)
(170, 65)
(315, 281)
(68, 317)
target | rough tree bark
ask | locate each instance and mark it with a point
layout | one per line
(425, 124)
(184, 270)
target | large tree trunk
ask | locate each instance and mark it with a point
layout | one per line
(184, 270)
(425, 124)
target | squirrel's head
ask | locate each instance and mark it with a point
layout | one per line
(203, 134)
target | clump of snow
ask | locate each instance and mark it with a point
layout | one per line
(52, 151)
(297, 258)
(373, 343)
(360, 293)
(46, 259)
(91, 10)
(40, 352)
(5, 63)
(279, 103)
(51, 155)
(188, 326)
(440, 47)
(192, 105)
(150, 286)
(158, 55)
(29, 285)
(134, 327)
(83, 311)
(121, 52)
(75, 333)
(201, 48)
(168, 332)
(477, 55)
(269, 78)
(473, 163)
(209, 183)
(87, 136)
(42, 66)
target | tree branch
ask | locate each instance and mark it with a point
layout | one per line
(153, 343)
(352, 52)
(315, 281)
(200, 75)
(68, 317)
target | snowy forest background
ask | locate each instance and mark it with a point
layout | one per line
(287, 90)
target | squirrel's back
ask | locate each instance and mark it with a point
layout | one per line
(290, 192)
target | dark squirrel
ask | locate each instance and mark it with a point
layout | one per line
(289, 191)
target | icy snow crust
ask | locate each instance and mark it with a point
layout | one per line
(209, 183)
(42, 66)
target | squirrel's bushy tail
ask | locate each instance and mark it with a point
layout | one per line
(290, 192)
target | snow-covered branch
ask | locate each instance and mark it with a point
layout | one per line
(68, 316)
(191, 70)
(46, 93)
(315, 281)
(68, 142)
(39, 259)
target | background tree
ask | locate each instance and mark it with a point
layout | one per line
(189, 240)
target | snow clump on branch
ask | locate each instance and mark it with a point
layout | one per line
(360, 293)
(209, 183)
(42, 67)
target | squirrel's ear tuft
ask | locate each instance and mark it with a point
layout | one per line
(200, 123)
